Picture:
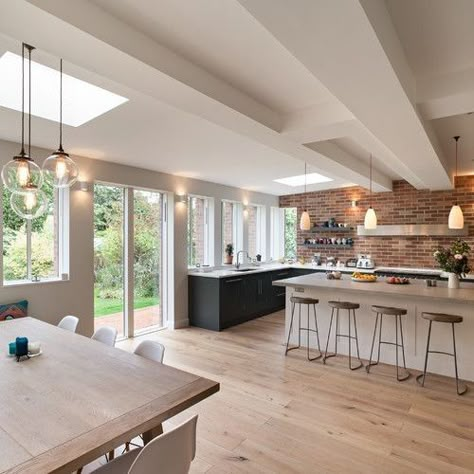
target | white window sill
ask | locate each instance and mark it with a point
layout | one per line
(10, 284)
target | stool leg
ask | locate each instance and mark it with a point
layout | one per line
(299, 327)
(308, 331)
(367, 368)
(326, 356)
(423, 375)
(317, 328)
(398, 323)
(464, 387)
(337, 331)
(290, 329)
(380, 338)
(350, 341)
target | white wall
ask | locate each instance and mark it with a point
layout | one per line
(51, 301)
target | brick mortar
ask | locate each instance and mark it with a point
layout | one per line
(405, 205)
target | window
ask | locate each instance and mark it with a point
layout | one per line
(232, 229)
(199, 235)
(256, 230)
(36, 250)
(129, 220)
(283, 233)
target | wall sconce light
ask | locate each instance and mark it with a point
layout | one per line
(354, 203)
(84, 186)
(181, 198)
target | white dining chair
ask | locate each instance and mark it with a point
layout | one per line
(69, 323)
(106, 335)
(170, 453)
(152, 350)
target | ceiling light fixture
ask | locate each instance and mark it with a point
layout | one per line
(370, 220)
(456, 217)
(28, 200)
(22, 170)
(59, 169)
(305, 222)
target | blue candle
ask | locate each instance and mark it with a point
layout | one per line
(12, 348)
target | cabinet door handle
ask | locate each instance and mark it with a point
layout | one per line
(234, 280)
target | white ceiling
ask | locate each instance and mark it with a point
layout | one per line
(242, 92)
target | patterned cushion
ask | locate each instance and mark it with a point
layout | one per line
(14, 310)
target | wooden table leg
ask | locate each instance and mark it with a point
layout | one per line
(153, 433)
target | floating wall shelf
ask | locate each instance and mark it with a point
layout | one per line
(331, 229)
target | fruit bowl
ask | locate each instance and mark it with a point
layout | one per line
(363, 277)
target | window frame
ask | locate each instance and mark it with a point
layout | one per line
(208, 229)
(237, 226)
(61, 239)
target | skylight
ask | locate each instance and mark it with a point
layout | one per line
(82, 101)
(311, 178)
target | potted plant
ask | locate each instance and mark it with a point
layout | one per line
(229, 253)
(454, 260)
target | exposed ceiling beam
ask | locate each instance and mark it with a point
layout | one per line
(358, 63)
(127, 56)
(446, 95)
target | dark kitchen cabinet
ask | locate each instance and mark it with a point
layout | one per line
(218, 303)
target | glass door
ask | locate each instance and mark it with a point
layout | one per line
(148, 261)
(109, 302)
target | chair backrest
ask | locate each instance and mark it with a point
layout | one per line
(169, 453)
(152, 350)
(105, 334)
(69, 323)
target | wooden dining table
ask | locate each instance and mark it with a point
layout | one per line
(81, 399)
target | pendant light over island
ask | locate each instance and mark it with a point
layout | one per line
(305, 221)
(370, 221)
(456, 217)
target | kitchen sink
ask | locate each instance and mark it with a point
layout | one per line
(241, 270)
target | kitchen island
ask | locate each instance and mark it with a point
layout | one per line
(415, 298)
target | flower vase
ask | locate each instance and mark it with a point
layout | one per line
(453, 281)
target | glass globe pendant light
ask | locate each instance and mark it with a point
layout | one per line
(456, 217)
(22, 170)
(30, 203)
(58, 168)
(305, 221)
(370, 220)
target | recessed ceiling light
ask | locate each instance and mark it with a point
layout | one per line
(82, 101)
(311, 178)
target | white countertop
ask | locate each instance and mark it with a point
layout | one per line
(418, 289)
(230, 270)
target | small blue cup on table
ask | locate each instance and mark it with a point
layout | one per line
(21, 344)
(12, 348)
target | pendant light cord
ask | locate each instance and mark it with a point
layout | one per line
(456, 138)
(370, 185)
(29, 102)
(22, 153)
(305, 194)
(61, 105)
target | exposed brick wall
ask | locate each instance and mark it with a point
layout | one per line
(252, 230)
(227, 225)
(405, 205)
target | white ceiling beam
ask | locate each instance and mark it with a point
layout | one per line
(446, 95)
(338, 43)
(341, 156)
(137, 62)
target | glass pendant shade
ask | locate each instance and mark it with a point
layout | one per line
(60, 170)
(30, 203)
(456, 218)
(20, 171)
(370, 221)
(305, 222)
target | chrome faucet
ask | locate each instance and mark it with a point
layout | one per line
(237, 263)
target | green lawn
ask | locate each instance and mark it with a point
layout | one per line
(104, 307)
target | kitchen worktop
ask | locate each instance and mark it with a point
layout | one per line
(230, 270)
(417, 289)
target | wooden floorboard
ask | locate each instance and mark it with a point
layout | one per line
(287, 415)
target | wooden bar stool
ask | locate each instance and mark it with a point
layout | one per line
(351, 307)
(452, 319)
(296, 300)
(382, 311)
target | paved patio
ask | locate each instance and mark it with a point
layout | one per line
(144, 318)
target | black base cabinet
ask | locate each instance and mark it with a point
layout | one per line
(219, 303)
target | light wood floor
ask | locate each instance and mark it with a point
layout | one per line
(277, 414)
